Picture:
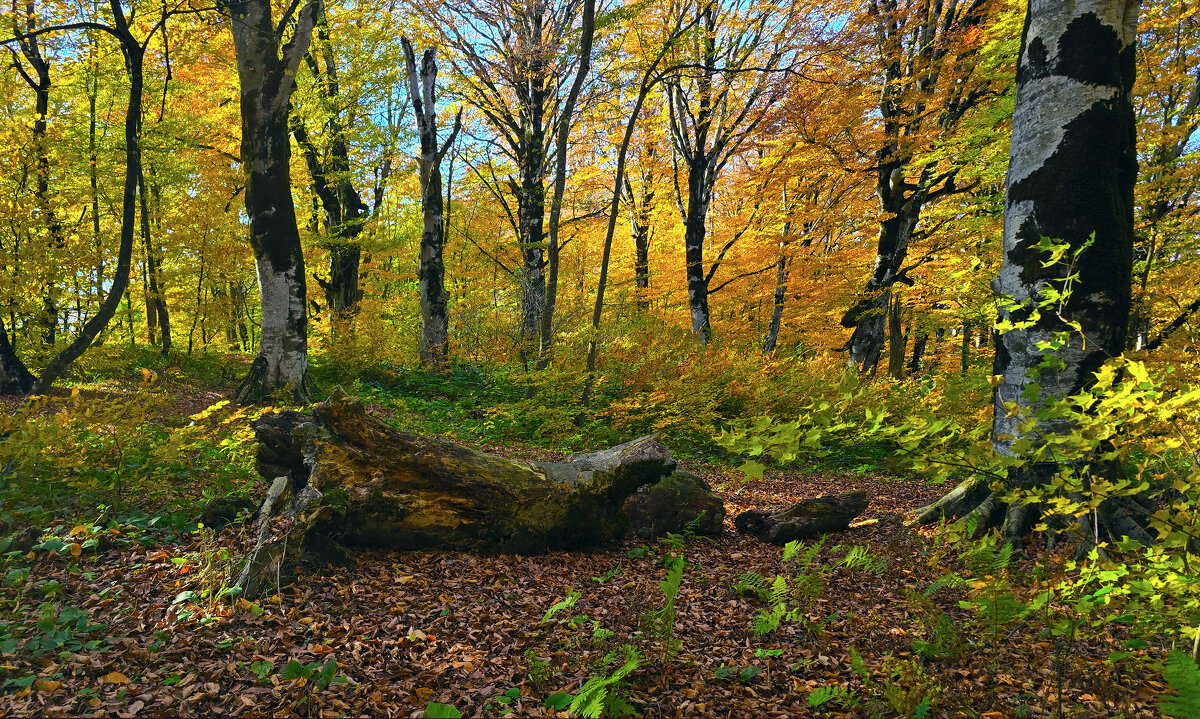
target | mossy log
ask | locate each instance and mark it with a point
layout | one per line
(808, 517)
(343, 477)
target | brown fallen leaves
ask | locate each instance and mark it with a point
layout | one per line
(408, 629)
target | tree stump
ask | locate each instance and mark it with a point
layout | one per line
(808, 517)
(342, 477)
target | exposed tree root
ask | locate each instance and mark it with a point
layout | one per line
(973, 503)
(257, 385)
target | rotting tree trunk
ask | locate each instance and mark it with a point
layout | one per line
(343, 477)
(806, 518)
(266, 73)
(431, 272)
(1071, 174)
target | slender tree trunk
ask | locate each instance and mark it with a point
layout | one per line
(133, 168)
(781, 281)
(266, 73)
(897, 338)
(965, 351)
(156, 306)
(920, 342)
(563, 132)
(693, 237)
(431, 272)
(895, 234)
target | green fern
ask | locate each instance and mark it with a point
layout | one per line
(596, 697)
(1184, 677)
(860, 558)
(824, 695)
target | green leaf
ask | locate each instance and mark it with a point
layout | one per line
(752, 469)
(559, 701)
(293, 670)
(433, 710)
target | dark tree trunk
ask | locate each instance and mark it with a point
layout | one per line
(157, 320)
(897, 338)
(435, 315)
(920, 342)
(1071, 174)
(867, 316)
(133, 52)
(780, 296)
(694, 233)
(14, 377)
(964, 356)
(346, 213)
(640, 207)
(918, 44)
(266, 72)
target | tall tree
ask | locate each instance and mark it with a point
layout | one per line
(926, 59)
(715, 102)
(329, 167)
(431, 272)
(1072, 169)
(134, 53)
(40, 82)
(268, 55)
(514, 57)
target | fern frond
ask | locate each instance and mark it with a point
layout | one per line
(1183, 676)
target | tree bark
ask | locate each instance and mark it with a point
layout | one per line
(343, 477)
(642, 231)
(435, 316)
(919, 45)
(897, 338)
(15, 379)
(777, 301)
(266, 73)
(156, 304)
(1071, 174)
(346, 213)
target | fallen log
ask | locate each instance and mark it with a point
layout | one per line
(341, 477)
(806, 518)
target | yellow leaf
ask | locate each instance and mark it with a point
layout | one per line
(47, 685)
(115, 678)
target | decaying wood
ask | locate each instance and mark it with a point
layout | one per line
(343, 477)
(808, 517)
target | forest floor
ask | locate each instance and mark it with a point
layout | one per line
(125, 620)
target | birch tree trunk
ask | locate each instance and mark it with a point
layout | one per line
(435, 318)
(1071, 174)
(266, 73)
